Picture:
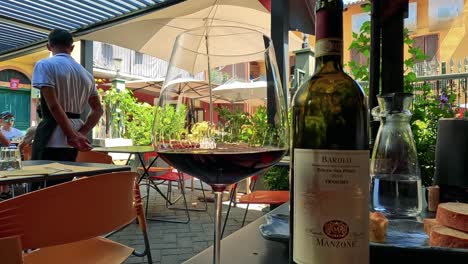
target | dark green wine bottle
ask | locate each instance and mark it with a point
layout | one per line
(330, 155)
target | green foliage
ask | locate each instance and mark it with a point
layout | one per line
(233, 122)
(242, 127)
(276, 178)
(218, 76)
(361, 44)
(428, 108)
(256, 132)
(169, 122)
(128, 118)
(139, 126)
(201, 130)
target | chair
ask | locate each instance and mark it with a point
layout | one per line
(169, 175)
(65, 222)
(255, 197)
(93, 157)
(10, 250)
(27, 151)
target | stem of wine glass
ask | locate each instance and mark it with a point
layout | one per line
(218, 199)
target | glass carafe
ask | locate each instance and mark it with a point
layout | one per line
(396, 188)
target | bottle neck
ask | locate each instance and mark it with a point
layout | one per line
(329, 36)
(329, 63)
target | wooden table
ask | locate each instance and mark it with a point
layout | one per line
(94, 169)
(248, 246)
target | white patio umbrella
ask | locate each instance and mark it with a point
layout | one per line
(148, 86)
(241, 91)
(189, 87)
(155, 33)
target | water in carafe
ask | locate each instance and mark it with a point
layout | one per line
(396, 188)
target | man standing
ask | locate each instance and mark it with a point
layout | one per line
(66, 87)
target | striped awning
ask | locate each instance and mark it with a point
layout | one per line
(25, 23)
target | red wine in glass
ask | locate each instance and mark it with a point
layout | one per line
(222, 167)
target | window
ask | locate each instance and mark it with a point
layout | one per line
(240, 71)
(8, 74)
(106, 51)
(138, 58)
(429, 44)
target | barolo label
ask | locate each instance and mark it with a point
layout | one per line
(331, 189)
(328, 46)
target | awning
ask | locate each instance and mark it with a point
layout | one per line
(25, 24)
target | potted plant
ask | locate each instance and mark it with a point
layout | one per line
(169, 124)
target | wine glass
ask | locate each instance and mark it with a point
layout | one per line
(222, 114)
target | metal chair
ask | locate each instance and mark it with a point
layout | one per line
(94, 157)
(255, 197)
(169, 175)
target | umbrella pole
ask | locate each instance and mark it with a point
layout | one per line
(209, 79)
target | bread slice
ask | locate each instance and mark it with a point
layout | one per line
(378, 224)
(442, 236)
(454, 215)
(429, 223)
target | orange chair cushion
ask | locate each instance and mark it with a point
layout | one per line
(155, 169)
(96, 250)
(170, 176)
(265, 197)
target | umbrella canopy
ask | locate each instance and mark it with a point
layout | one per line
(188, 88)
(240, 91)
(148, 86)
(155, 33)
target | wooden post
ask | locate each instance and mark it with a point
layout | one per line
(393, 12)
(374, 66)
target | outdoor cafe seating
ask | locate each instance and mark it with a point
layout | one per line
(64, 223)
(168, 175)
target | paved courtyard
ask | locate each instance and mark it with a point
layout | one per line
(173, 243)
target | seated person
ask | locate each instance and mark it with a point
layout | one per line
(7, 128)
(4, 189)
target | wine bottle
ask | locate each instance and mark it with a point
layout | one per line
(330, 155)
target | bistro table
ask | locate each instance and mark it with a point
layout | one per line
(248, 246)
(138, 151)
(55, 170)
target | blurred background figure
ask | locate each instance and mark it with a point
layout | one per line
(4, 142)
(10, 132)
(25, 146)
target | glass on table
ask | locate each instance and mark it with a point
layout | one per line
(10, 158)
(396, 188)
(221, 115)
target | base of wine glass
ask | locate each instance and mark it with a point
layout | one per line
(218, 200)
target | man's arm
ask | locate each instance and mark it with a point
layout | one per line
(3, 140)
(94, 116)
(76, 140)
(28, 138)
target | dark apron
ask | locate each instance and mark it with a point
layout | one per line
(44, 131)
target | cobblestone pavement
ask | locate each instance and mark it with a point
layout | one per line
(173, 243)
